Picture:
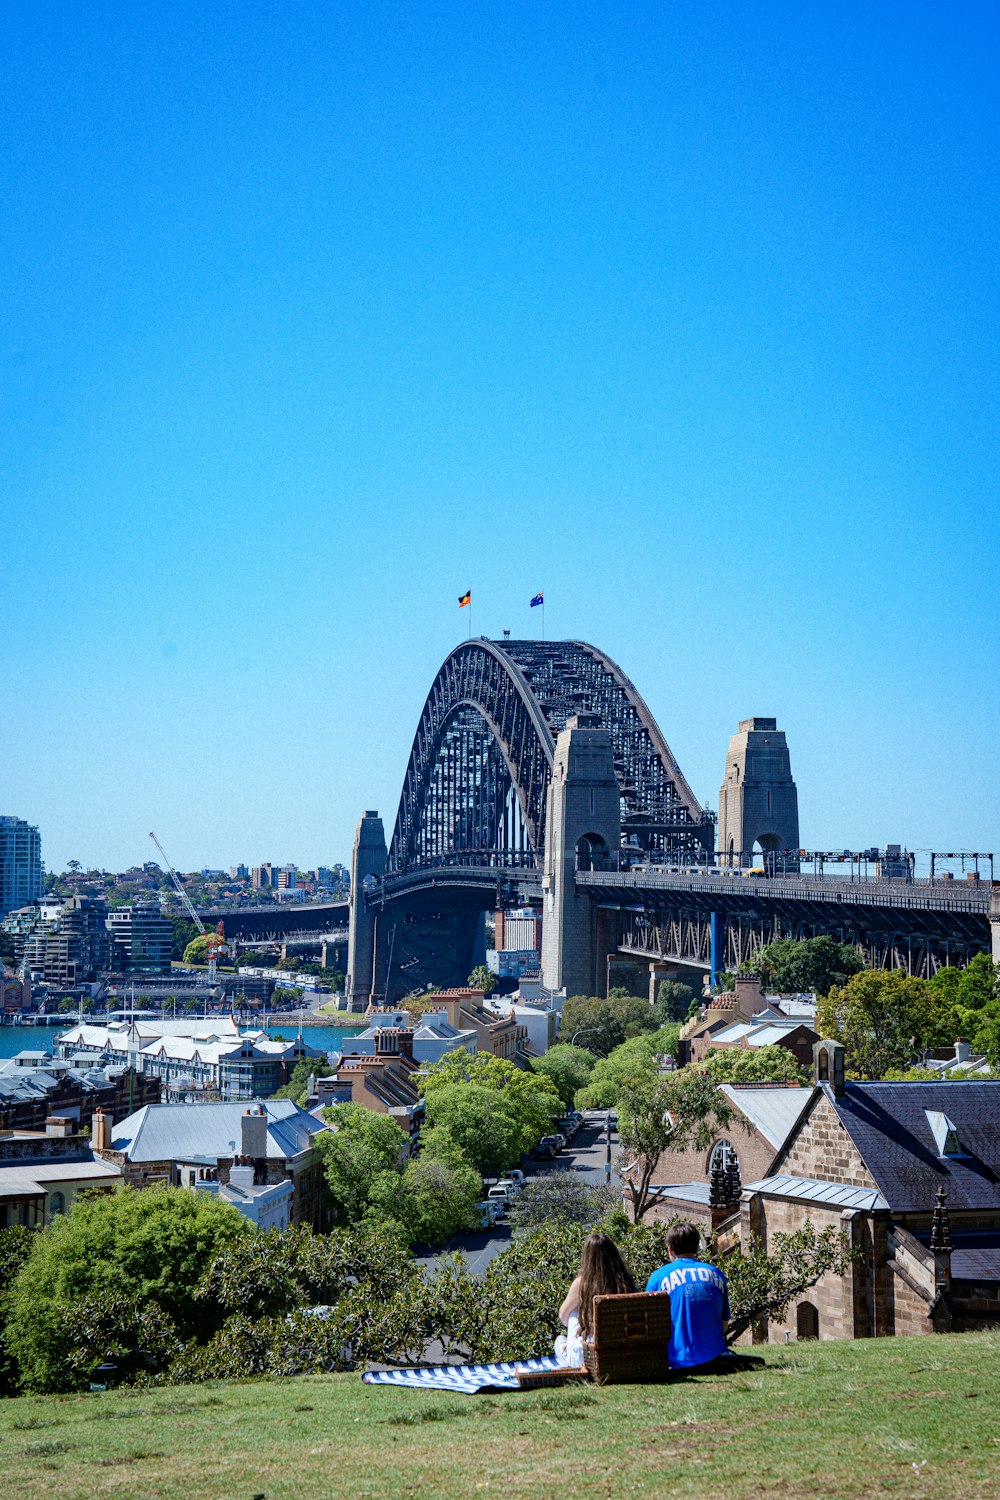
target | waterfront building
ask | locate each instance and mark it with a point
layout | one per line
(142, 938)
(191, 1058)
(20, 863)
(67, 943)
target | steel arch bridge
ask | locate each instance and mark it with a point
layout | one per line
(474, 792)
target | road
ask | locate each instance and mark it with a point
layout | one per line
(586, 1155)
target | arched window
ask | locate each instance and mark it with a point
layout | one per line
(57, 1204)
(806, 1321)
(725, 1151)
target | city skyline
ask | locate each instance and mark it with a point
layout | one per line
(314, 322)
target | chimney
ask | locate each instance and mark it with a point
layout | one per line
(749, 995)
(253, 1133)
(386, 1042)
(100, 1130)
(405, 1036)
(963, 1051)
(828, 1065)
(241, 1174)
(57, 1125)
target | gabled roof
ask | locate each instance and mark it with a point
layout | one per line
(774, 1113)
(185, 1132)
(890, 1126)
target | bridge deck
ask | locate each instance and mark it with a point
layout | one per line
(941, 896)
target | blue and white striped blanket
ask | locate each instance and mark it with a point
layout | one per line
(466, 1380)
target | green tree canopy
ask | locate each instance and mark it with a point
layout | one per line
(483, 979)
(297, 1087)
(818, 963)
(887, 1020)
(602, 1025)
(151, 1244)
(483, 1123)
(632, 1061)
(770, 1064)
(569, 1069)
(199, 950)
(428, 1202)
(359, 1145)
(673, 1000)
(677, 1112)
(530, 1097)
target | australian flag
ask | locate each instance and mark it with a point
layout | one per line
(538, 599)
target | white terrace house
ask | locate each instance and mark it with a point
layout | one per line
(193, 1059)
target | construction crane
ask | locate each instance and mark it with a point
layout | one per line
(190, 909)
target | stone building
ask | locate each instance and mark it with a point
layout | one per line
(910, 1172)
(383, 1081)
(463, 1009)
(745, 1017)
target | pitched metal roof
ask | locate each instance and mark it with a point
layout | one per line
(831, 1194)
(186, 1132)
(890, 1126)
(772, 1112)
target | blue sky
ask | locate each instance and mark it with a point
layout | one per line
(314, 317)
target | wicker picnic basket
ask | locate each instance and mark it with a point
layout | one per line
(631, 1338)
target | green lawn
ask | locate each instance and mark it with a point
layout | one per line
(901, 1417)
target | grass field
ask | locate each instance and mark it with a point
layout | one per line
(900, 1417)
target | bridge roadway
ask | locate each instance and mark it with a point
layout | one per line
(667, 916)
(269, 922)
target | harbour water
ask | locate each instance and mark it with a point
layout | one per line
(14, 1039)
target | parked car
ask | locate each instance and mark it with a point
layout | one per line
(502, 1192)
(547, 1146)
(560, 1139)
(489, 1210)
(499, 1196)
(516, 1175)
(515, 1188)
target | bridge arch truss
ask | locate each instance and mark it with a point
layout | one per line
(475, 786)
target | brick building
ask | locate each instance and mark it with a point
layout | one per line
(383, 1081)
(501, 1036)
(745, 1017)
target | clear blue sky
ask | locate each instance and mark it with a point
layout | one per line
(315, 316)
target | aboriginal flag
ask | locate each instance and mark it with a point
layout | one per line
(464, 599)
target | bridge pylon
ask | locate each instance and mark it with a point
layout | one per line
(367, 859)
(758, 801)
(583, 832)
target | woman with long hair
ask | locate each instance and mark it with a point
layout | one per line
(602, 1270)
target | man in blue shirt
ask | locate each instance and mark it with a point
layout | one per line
(699, 1301)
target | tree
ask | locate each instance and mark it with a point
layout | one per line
(771, 1064)
(184, 932)
(483, 979)
(482, 1123)
(764, 1283)
(530, 1097)
(887, 1020)
(200, 949)
(673, 1000)
(562, 1198)
(673, 1113)
(429, 1200)
(816, 964)
(359, 1145)
(604, 1024)
(633, 1061)
(150, 1244)
(568, 1068)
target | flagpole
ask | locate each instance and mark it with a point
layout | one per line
(543, 617)
(470, 615)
